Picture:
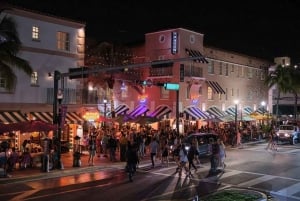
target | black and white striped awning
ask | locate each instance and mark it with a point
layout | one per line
(71, 117)
(161, 111)
(7, 117)
(196, 53)
(231, 111)
(215, 87)
(195, 113)
(121, 109)
(138, 111)
(247, 110)
(216, 112)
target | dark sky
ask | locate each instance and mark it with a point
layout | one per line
(263, 28)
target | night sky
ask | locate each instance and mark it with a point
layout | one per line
(262, 28)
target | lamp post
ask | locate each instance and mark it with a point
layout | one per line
(105, 102)
(236, 115)
(57, 98)
(263, 103)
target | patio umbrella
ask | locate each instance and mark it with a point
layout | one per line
(146, 120)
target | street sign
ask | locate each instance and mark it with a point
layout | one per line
(171, 86)
(79, 72)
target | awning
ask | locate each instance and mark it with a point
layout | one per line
(121, 109)
(231, 111)
(247, 110)
(71, 117)
(215, 87)
(216, 112)
(139, 110)
(12, 117)
(196, 53)
(160, 111)
(195, 113)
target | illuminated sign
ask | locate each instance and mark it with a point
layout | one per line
(143, 98)
(91, 116)
(174, 43)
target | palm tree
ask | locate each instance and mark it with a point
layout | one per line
(282, 78)
(10, 45)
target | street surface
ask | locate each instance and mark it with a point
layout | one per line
(253, 167)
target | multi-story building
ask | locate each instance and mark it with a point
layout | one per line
(49, 44)
(209, 85)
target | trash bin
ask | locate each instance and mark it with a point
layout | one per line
(76, 154)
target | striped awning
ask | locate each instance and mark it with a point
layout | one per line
(139, 110)
(71, 117)
(121, 109)
(231, 111)
(160, 111)
(216, 112)
(7, 117)
(247, 110)
(195, 113)
(215, 87)
(196, 53)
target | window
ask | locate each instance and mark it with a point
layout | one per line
(63, 41)
(188, 92)
(209, 93)
(250, 73)
(220, 69)
(35, 33)
(200, 90)
(2, 82)
(226, 69)
(210, 69)
(232, 68)
(34, 78)
(164, 94)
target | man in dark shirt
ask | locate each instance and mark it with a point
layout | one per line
(112, 145)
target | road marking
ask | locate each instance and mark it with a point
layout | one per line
(256, 181)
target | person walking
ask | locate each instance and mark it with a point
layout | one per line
(132, 160)
(92, 149)
(191, 156)
(239, 139)
(123, 147)
(154, 146)
(183, 160)
(222, 154)
(112, 145)
(214, 157)
(165, 153)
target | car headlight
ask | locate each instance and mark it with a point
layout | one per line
(286, 135)
(187, 148)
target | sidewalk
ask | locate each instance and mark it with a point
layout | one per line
(67, 160)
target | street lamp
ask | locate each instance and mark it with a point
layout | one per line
(57, 98)
(236, 115)
(105, 102)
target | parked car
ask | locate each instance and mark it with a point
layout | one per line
(204, 140)
(288, 133)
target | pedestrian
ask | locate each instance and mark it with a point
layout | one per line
(92, 149)
(165, 153)
(215, 150)
(183, 160)
(239, 139)
(222, 154)
(154, 146)
(132, 160)
(270, 141)
(112, 145)
(123, 146)
(191, 156)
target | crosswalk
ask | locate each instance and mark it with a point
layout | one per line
(281, 149)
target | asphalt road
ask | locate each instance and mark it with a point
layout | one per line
(252, 167)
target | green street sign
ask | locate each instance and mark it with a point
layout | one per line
(171, 86)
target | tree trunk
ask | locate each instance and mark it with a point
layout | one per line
(277, 107)
(295, 107)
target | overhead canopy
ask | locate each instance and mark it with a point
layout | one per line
(215, 87)
(7, 117)
(195, 113)
(216, 112)
(160, 111)
(196, 53)
(71, 117)
(121, 109)
(139, 110)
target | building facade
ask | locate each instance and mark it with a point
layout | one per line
(49, 44)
